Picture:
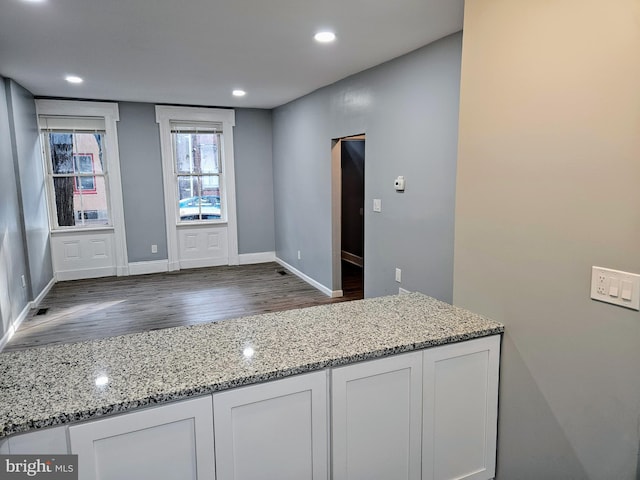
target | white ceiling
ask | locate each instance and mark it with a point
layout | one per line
(196, 52)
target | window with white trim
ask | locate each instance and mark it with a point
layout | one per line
(198, 172)
(77, 173)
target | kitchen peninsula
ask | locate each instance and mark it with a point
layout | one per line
(275, 380)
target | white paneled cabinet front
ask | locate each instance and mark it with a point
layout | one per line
(275, 430)
(460, 404)
(170, 442)
(377, 419)
(429, 415)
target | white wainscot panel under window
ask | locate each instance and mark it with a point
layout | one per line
(203, 245)
(86, 254)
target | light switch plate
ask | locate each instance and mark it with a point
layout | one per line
(615, 287)
(377, 205)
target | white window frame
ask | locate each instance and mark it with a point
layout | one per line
(111, 114)
(165, 116)
(221, 174)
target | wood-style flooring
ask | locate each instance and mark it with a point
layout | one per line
(98, 308)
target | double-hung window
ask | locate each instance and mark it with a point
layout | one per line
(78, 176)
(198, 171)
(199, 185)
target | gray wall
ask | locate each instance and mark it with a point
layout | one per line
(142, 187)
(548, 174)
(13, 264)
(28, 156)
(254, 180)
(408, 109)
(143, 196)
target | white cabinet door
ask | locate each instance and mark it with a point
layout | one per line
(460, 410)
(377, 419)
(274, 430)
(45, 441)
(170, 442)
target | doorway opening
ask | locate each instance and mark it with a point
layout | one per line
(348, 155)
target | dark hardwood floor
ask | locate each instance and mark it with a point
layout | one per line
(98, 308)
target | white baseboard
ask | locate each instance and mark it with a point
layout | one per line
(327, 291)
(35, 303)
(204, 262)
(144, 268)
(14, 326)
(122, 271)
(260, 257)
(85, 273)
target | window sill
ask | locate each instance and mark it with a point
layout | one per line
(202, 223)
(58, 231)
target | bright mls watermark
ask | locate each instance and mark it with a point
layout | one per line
(51, 467)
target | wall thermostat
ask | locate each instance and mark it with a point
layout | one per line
(399, 184)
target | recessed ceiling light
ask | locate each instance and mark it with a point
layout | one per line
(324, 37)
(73, 79)
(34, 1)
(239, 93)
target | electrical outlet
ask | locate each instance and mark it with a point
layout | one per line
(398, 275)
(601, 284)
(615, 287)
(154, 248)
(24, 281)
(299, 255)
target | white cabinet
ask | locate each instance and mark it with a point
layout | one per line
(377, 419)
(460, 396)
(275, 430)
(169, 442)
(45, 441)
(430, 414)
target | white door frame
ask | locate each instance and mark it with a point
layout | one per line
(164, 116)
(336, 209)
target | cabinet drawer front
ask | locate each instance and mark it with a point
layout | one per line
(173, 441)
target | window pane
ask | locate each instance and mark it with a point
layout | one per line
(197, 152)
(76, 152)
(61, 146)
(92, 209)
(83, 163)
(199, 197)
(63, 191)
(80, 194)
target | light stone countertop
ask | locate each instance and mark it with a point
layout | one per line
(56, 385)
